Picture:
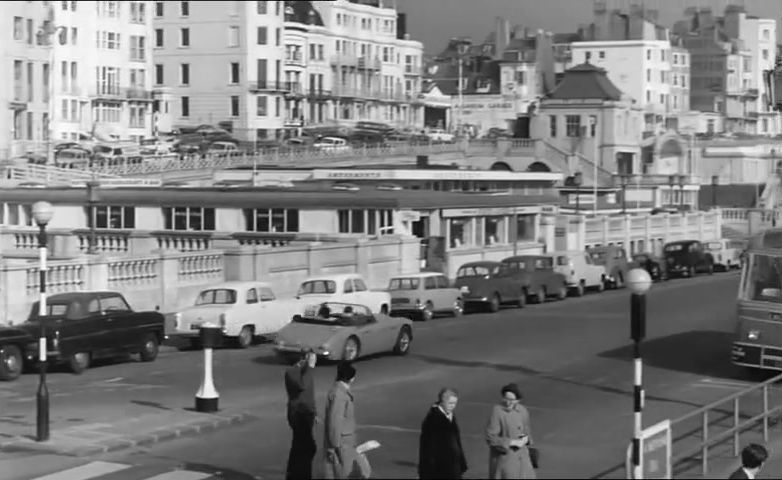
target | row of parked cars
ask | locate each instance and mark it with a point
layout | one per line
(336, 315)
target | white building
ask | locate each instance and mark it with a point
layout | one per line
(644, 70)
(759, 36)
(99, 83)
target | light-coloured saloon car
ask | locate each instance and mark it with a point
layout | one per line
(421, 295)
(244, 310)
(345, 288)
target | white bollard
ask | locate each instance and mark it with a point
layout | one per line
(207, 398)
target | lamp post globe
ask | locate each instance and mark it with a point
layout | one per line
(638, 281)
(42, 213)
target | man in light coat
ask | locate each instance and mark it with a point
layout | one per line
(340, 426)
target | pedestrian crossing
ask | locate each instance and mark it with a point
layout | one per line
(99, 470)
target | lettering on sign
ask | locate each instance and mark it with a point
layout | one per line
(488, 106)
(348, 174)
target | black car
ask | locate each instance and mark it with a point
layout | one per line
(81, 326)
(686, 258)
(13, 343)
(654, 265)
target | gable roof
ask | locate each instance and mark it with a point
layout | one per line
(586, 81)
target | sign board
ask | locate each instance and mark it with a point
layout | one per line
(409, 215)
(642, 195)
(656, 451)
(582, 199)
(121, 182)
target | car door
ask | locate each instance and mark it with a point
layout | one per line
(551, 280)
(589, 270)
(363, 295)
(89, 330)
(274, 315)
(446, 297)
(119, 331)
(250, 311)
(430, 292)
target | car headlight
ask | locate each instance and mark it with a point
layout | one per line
(465, 289)
(753, 335)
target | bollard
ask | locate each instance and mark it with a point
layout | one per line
(207, 398)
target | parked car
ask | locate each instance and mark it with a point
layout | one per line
(423, 295)
(332, 145)
(72, 158)
(726, 253)
(244, 311)
(14, 343)
(344, 331)
(155, 146)
(537, 277)
(222, 148)
(82, 326)
(345, 288)
(654, 265)
(440, 135)
(579, 270)
(614, 259)
(489, 284)
(687, 258)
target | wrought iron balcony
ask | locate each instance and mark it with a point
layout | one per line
(139, 93)
(319, 93)
(271, 86)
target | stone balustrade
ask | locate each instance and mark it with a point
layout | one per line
(169, 280)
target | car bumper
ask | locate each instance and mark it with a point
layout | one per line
(758, 356)
(406, 311)
(475, 299)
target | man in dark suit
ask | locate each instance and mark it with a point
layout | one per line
(752, 459)
(300, 385)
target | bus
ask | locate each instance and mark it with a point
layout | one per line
(758, 338)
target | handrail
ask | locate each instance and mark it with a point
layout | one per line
(735, 431)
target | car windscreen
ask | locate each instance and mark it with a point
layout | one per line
(477, 271)
(713, 246)
(598, 257)
(404, 284)
(318, 287)
(676, 247)
(217, 296)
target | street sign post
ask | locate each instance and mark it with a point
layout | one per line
(656, 452)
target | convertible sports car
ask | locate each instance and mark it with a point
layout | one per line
(343, 331)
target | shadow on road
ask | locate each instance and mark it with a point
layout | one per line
(704, 353)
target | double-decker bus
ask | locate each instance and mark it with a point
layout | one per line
(758, 341)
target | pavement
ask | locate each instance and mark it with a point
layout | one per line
(572, 359)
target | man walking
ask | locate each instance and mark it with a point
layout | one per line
(340, 426)
(753, 456)
(300, 385)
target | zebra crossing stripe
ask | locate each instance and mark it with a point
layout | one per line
(86, 472)
(182, 475)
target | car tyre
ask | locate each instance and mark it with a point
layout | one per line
(79, 362)
(540, 297)
(428, 312)
(458, 308)
(246, 336)
(11, 362)
(562, 294)
(402, 345)
(579, 290)
(710, 271)
(352, 349)
(691, 272)
(149, 348)
(522, 302)
(384, 309)
(494, 303)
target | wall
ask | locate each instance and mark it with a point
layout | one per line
(172, 280)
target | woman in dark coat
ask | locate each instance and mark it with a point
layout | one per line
(440, 455)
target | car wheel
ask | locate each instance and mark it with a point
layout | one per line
(352, 349)
(11, 362)
(691, 272)
(541, 296)
(402, 345)
(384, 309)
(245, 338)
(428, 312)
(522, 302)
(150, 348)
(494, 303)
(562, 294)
(79, 362)
(710, 271)
(458, 308)
(579, 290)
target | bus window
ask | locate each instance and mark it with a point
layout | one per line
(764, 279)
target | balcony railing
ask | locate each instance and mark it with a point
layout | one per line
(653, 180)
(295, 58)
(293, 88)
(270, 86)
(106, 91)
(344, 59)
(369, 63)
(318, 93)
(139, 93)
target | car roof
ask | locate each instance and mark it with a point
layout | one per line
(523, 257)
(236, 285)
(487, 263)
(336, 277)
(683, 242)
(604, 247)
(566, 252)
(419, 275)
(69, 296)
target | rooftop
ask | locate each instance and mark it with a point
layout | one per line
(586, 81)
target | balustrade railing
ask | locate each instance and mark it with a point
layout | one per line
(60, 277)
(115, 241)
(696, 225)
(132, 272)
(197, 268)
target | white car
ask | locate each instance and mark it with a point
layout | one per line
(440, 135)
(343, 288)
(244, 310)
(221, 148)
(726, 253)
(580, 271)
(332, 145)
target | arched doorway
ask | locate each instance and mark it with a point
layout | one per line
(538, 167)
(501, 166)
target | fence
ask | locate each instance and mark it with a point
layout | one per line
(170, 280)
(700, 431)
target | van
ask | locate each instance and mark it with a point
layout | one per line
(580, 271)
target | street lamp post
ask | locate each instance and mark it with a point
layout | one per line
(671, 185)
(639, 282)
(42, 213)
(682, 180)
(715, 180)
(577, 180)
(624, 179)
(92, 201)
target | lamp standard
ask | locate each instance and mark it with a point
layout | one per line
(671, 184)
(577, 180)
(639, 282)
(682, 181)
(42, 213)
(715, 180)
(92, 201)
(625, 178)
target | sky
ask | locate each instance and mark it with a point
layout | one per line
(434, 22)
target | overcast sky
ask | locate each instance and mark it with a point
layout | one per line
(435, 21)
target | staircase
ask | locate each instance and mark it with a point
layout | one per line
(561, 159)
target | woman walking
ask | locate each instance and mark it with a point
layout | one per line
(440, 454)
(509, 437)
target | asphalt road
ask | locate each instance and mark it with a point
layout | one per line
(572, 360)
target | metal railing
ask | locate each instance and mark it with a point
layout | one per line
(711, 418)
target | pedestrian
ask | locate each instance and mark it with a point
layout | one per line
(753, 456)
(340, 425)
(302, 412)
(509, 437)
(440, 453)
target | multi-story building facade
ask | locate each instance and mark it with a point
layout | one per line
(76, 68)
